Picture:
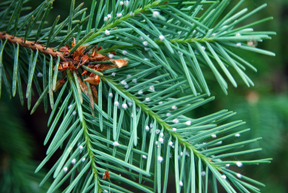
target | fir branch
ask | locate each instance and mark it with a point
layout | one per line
(110, 114)
(86, 133)
(126, 17)
(161, 122)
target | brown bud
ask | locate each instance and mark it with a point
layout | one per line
(83, 86)
(59, 84)
(93, 80)
(119, 62)
(74, 42)
(95, 93)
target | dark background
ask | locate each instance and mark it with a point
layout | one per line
(264, 107)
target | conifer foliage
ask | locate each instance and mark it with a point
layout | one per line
(120, 79)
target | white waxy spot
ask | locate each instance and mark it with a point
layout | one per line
(105, 190)
(181, 183)
(188, 123)
(140, 92)
(161, 37)
(145, 43)
(107, 32)
(130, 103)
(187, 153)
(152, 88)
(161, 140)
(151, 125)
(126, 86)
(157, 131)
(73, 161)
(181, 154)
(146, 49)
(113, 74)
(65, 169)
(223, 177)
(132, 13)
(156, 143)
(174, 129)
(147, 99)
(168, 114)
(194, 31)
(69, 107)
(39, 74)
(81, 147)
(146, 59)
(126, 3)
(110, 55)
(134, 80)
(161, 134)
(132, 116)
(237, 135)
(238, 34)
(121, 2)
(239, 164)
(110, 95)
(203, 173)
(124, 106)
(180, 53)
(160, 159)
(175, 121)
(116, 103)
(170, 143)
(227, 165)
(238, 45)
(174, 107)
(74, 113)
(214, 34)
(214, 135)
(137, 109)
(160, 103)
(115, 143)
(203, 48)
(109, 15)
(239, 175)
(147, 128)
(144, 156)
(105, 18)
(119, 14)
(83, 159)
(142, 38)
(124, 52)
(123, 82)
(156, 14)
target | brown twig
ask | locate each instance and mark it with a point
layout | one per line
(33, 46)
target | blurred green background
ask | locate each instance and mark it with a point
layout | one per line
(264, 107)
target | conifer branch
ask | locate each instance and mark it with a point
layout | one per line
(124, 116)
(160, 121)
(124, 18)
(85, 132)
